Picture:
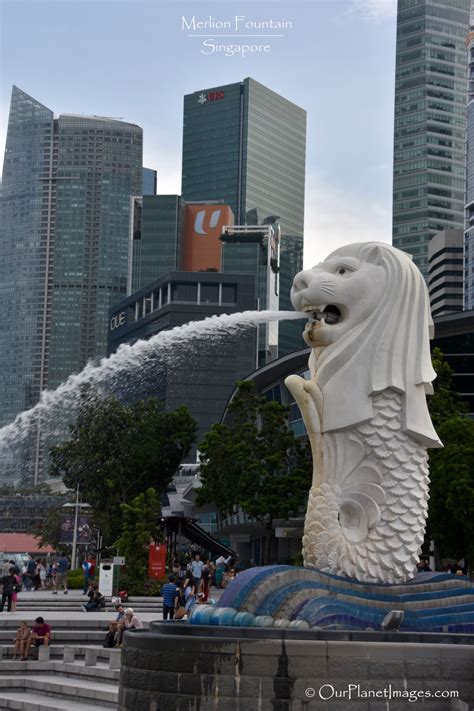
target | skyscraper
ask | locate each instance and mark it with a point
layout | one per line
(430, 122)
(245, 145)
(445, 276)
(66, 191)
(155, 226)
(469, 208)
(149, 181)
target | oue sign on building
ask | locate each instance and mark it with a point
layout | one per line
(117, 321)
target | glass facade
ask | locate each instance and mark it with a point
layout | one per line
(149, 181)
(66, 191)
(430, 122)
(155, 240)
(291, 262)
(244, 144)
(25, 253)
(98, 169)
(469, 210)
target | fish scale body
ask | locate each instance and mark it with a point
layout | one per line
(389, 549)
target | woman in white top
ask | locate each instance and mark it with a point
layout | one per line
(131, 621)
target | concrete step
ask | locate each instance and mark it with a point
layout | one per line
(104, 695)
(24, 701)
(77, 670)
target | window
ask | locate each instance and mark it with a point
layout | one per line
(184, 292)
(229, 293)
(209, 293)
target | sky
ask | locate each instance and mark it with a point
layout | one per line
(135, 59)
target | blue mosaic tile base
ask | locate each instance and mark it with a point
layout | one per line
(432, 602)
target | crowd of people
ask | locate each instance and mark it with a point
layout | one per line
(35, 575)
(191, 584)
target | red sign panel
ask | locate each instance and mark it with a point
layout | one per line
(156, 560)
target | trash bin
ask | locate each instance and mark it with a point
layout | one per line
(107, 577)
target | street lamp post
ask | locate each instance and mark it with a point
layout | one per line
(77, 506)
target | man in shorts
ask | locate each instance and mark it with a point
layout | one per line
(40, 635)
(62, 565)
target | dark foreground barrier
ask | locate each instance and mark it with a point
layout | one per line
(178, 667)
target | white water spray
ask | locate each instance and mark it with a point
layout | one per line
(128, 359)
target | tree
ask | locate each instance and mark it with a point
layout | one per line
(141, 526)
(49, 529)
(451, 509)
(116, 452)
(445, 402)
(451, 506)
(256, 462)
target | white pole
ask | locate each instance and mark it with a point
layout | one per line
(74, 540)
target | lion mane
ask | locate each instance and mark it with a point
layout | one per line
(389, 349)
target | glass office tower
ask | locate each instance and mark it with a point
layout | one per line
(469, 208)
(149, 181)
(430, 122)
(156, 223)
(245, 145)
(66, 191)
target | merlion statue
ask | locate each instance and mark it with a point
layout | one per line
(365, 411)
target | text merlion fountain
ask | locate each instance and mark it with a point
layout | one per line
(365, 411)
(289, 637)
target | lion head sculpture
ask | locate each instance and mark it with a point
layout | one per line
(369, 328)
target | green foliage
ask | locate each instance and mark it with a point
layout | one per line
(116, 451)
(141, 526)
(75, 579)
(451, 516)
(256, 463)
(451, 505)
(49, 529)
(445, 402)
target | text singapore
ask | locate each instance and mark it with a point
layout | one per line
(210, 46)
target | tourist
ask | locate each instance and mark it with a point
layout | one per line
(115, 628)
(62, 566)
(17, 589)
(41, 569)
(88, 572)
(221, 564)
(207, 573)
(21, 641)
(96, 600)
(131, 621)
(423, 566)
(50, 572)
(189, 593)
(6, 567)
(171, 595)
(13, 565)
(30, 571)
(40, 635)
(197, 566)
(9, 587)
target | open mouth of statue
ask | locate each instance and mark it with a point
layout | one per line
(330, 314)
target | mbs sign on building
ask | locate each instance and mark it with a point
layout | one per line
(201, 238)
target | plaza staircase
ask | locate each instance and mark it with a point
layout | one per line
(75, 673)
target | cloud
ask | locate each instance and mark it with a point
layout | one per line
(376, 10)
(334, 218)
